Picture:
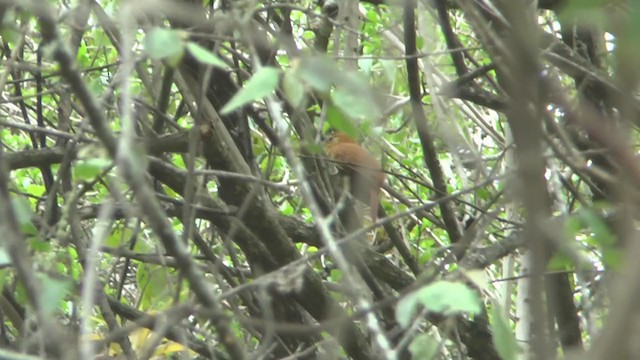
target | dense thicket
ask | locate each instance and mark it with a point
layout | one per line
(165, 193)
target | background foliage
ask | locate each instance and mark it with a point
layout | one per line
(164, 192)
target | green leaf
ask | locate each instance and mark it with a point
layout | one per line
(4, 257)
(164, 44)
(54, 291)
(5, 276)
(355, 97)
(153, 281)
(336, 275)
(36, 189)
(142, 246)
(560, 261)
(119, 237)
(23, 213)
(503, 337)
(587, 11)
(339, 121)
(390, 68)
(354, 104)
(95, 86)
(406, 308)
(8, 30)
(258, 87)
(37, 244)
(318, 72)
(312, 148)
(444, 297)
(423, 347)
(205, 56)
(75, 269)
(293, 89)
(573, 225)
(483, 194)
(613, 257)
(365, 65)
(90, 168)
(602, 235)
(82, 56)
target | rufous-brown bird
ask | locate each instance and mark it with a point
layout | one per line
(364, 170)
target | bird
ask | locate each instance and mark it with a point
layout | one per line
(363, 169)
